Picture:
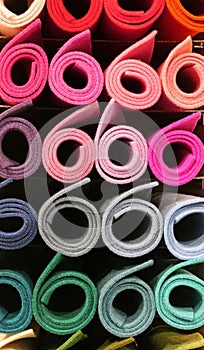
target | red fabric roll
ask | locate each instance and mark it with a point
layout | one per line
(133, 65)
(130, 22)
(63, 24)
(24, 49)
(75, 55)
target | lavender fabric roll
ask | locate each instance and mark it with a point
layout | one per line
(11, 120)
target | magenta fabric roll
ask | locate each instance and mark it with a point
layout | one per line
(11, 120)
(23, 52)
(75, 59)
(64, 131)
(106, 136)
(190, 150)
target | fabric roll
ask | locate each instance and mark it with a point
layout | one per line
(75, 58)
(126, 344)
(24, 52)
(69, 321)
(183, 225)
(69, 246)
(125, 203)
(8, 341)
(14, 322)
(13, 22)
(11, 120)
(137, 163)
(128, 20)
(182, 78)
(65, 131)
(179, 19)
(73, 340)
(187, 158)
(115, 321)
(185, 309)
(130, 80)
(166, 338)
(65, 23)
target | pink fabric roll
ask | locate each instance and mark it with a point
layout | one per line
(106, 136)
(24, 49)
(182, 77)
(64, 131)
(75, 56)
(133, 65)
(190, 150)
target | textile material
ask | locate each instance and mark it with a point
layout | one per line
(10, 341)
(73, 340)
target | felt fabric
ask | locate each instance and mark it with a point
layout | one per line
(122, 22)
(180, 19)
(183, 225)
(17, 208)
(68, 246)
(64, 24)
(116, 321)
(132, 68)
(13, 23)
(65, 131)
(14, 322)
(106, 136)
(186, 310)
(25, 344)
(73, 340)
(125, 344)
(24, 52)
(187, 158)
(125, 203)
(181, 75)
(8, 340)
(75, 57)
(50, 280)
(11, 120)
(167, 338)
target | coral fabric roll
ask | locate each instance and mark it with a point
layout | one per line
(176, 21)
(64, 131)
(106, 136)
(190, 152)
(24, 52)
(11, 23)
(132, 68)
(11, 120)
(129, 24)
(182, 78)
(11, 341)
(75, 58)
(63, 24)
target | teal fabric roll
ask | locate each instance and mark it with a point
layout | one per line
(116, 321)
(185, 308)
(14, 322)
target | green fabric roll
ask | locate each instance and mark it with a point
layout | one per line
(166, 338)
(126, 344)
(188, 312)
(73, 340)
(51, 279)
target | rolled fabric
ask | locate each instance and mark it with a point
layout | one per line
(167, 338)
(13, 23)
(190, 152)
(131, 68)
(7, 341)
(73, 340)
(122, 204)
(184, 310)
(137, 163)
(14, 322)
(183, 225)
(69, 246)
(50, 280)
(181, 75)
(75, 57)
(125, 344)
(63, 23)
(179, 19)
(115, 321)
(123, 20)
(64, 131)
(10, 120)
(23, 51)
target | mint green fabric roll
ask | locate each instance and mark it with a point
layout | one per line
(50, 280)
(186, 309)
